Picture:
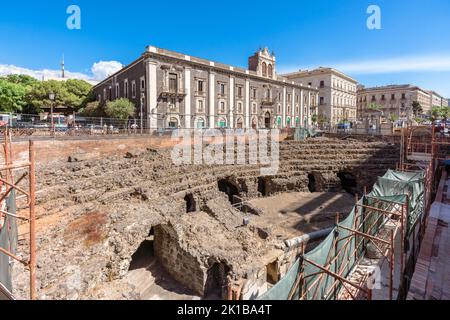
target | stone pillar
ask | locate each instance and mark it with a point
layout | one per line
(247, 104)
(188, 98)
(308, 108)
(283, 120)
(212, 100)
(302, 108)
(293, 108)
(232, 106)
(152, 99)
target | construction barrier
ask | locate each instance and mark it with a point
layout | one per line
(8, 241)
(321, 273)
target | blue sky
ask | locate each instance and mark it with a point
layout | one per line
(413, 45)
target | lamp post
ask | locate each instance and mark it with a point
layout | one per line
(142, 112)
(52, 98)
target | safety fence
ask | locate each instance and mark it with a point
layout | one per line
(393, 208)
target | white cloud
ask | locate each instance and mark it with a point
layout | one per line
(403, 64)
(99, 71)
(103, 69)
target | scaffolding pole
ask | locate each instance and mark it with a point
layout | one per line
(6, 179)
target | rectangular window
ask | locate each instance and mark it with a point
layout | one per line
(133, 89)
(322, 84)
(222, 107)
(322, 101)
(222, 89)
(125, 88)
(200, 86)
(254, 93)
(117, 90)
(200, 106)
(239, 92)
(173, 82)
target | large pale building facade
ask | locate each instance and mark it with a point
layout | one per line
(175, 90)
(395, 101)
(337, 93)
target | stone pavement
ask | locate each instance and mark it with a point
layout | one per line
(431, 280)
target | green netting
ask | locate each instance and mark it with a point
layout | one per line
(282, 289)
(408, 184)
(389, 193)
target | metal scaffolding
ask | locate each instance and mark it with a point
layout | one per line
(9, 171)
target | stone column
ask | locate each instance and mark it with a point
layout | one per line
(212, 100)
(302, 108)
(293, 108)
(232, 106)
(152, 99)
(247, 104)
(188, 98)
(283, 120)
(308, 108)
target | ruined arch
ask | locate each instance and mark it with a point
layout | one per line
(348, 181)
(229, 188)
(191, 204)
(216, 281)
(312, 183)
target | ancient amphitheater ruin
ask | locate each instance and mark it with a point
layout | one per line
(132, 225)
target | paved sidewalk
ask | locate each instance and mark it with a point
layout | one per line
(431, 280)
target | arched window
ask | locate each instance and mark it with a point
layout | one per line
(239, 123)
(173, 123)
(200, 123)
(270, 71)
(222, 123)
(264, 69)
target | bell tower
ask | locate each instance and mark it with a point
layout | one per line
(263, 63)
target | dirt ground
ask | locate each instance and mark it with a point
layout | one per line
(290, 215)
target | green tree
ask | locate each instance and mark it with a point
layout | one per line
(393, 117)
(80, 93)
(121, 109)
(374, 107)
(438, 113)
(38, 96)
(417, 108)
(12, 96)
(93, 109)
(20, 79)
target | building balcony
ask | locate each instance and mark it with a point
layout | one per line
(268, 101)
(177, 93)
(200, 93)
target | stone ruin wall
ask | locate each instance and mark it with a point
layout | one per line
(143, 190)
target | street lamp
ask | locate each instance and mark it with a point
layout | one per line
(52, 98)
